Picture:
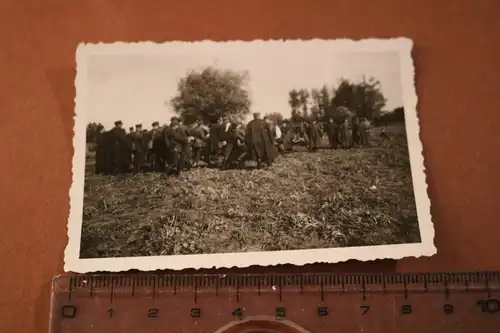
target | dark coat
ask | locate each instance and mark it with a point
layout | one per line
(214, 138)
(333, 131)
(222, 133)
(130, 138)
(175, 138)
(140, 142)
(183, 129)
(259, 141)
(121, 150)
(355, 130)
(104, 153)
(177, 146)
(314, 135)
(287, 136)
(158, 140)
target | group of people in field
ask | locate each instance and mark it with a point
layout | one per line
(225, 144)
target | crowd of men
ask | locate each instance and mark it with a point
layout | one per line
(225, 144)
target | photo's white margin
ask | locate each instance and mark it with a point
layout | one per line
(73, 263)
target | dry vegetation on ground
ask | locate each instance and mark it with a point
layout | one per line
(337, 198)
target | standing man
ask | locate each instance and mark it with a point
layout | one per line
(140, 147)
(131, 143)
(130, 134)
(197, 132)
(355, 130)
(287, 136)
(276, 134)
(230, 140)
(346, 133)
(157, 147)
(236, 148)
(314, 135)
(212, 151)
(364, 130)
(332, 130)
(259, 142)
(121, 149)
(177, 146)
(224, 128)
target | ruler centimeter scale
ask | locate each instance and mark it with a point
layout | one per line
(278, 303)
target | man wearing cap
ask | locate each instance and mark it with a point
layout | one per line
(164, 149)
(183, 127)
(176, 146)
(130, 134)
(156, 147)
(121, 151)
(259, 143)
(140, 147)
(174, 121)
(314, 135)
(130, 142)
(185, 130)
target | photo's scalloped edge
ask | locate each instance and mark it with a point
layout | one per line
(244, 41)
(152, 46)
(426, 248)
(158, 263)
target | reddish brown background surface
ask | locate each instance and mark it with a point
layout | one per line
(457, 59)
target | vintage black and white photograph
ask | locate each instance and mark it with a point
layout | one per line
(203, 154)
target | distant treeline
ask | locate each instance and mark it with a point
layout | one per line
(386, 118)
(210, 94)
(363, 99)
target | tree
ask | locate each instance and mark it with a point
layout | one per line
(316, 112)
(93, 130)
(210, 94)
(315, 96)
(325, 100)
(276, 117)
(399, 113)
(316, 101)
(364, 98)
(304, 99)
(341, 112)
(294, 100)
(322, 103)
(388, 117)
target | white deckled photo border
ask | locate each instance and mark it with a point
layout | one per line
(73, 262)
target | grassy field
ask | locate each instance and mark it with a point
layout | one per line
(330, 198)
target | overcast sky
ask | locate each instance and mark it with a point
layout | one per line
(134, 87)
